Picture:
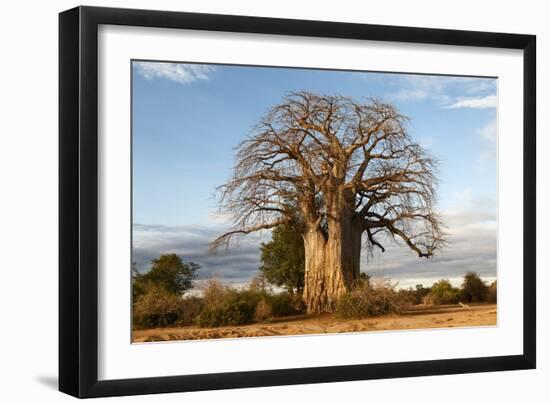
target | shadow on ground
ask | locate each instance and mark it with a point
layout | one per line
(48, 381)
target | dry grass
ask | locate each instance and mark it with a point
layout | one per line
(263, 311)
(416, 317)
(214, 292)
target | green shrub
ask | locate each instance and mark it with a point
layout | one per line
(215, 317)
(237, 307)
(156, 307)
(232, 314)
(286, 304)
(208, 317)
(367, 301)
(227, 306)
(188, 309)
(442, 292)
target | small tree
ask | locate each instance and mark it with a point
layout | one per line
(170, 273)
(282, 259)
(442, 292)
(474, 289)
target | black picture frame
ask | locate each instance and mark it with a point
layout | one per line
(78, 201)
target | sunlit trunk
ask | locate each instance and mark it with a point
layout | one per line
(315, 290)
(332, 263)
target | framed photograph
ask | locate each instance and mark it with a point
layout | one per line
(250, 201)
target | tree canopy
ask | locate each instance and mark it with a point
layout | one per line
(348, 168)
(170, 273)
(282, 258)
(474, 289)
(310, 146)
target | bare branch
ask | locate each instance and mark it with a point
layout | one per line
(225, 238)
(314, 159)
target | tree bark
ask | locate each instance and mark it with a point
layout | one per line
(332, 263)
(315, 292)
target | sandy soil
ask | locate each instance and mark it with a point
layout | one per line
(417, 317)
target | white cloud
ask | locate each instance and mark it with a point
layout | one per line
(472, 233)
(219, 218)
(489, 101)
(410, 94)
(238, 264)
(445, 90)
(178, 72)
(418, 87)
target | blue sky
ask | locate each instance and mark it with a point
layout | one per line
(187, 120)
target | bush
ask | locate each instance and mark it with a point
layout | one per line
(420, 292)
(214, 293)
(263, 311)
(156, 308)
(442, 292)
(416, 295)
(473, 288)
(139, 288)
(491, 296)
(237, 307)
(247, 296)
(367, 301)
(230, 315)
(227, 306)
(286, 304)
(209, 317)
(409, 296)
(189, 308)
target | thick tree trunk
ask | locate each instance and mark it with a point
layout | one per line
(331, 264)
(315, 293)
(352, 254)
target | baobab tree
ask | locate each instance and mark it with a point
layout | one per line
(335, 169)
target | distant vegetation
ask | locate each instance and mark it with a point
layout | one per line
(169, 273)
(160, 300)
(224, 305)
(368, 299)
(157, 294)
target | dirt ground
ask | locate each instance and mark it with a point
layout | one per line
(417, 317)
